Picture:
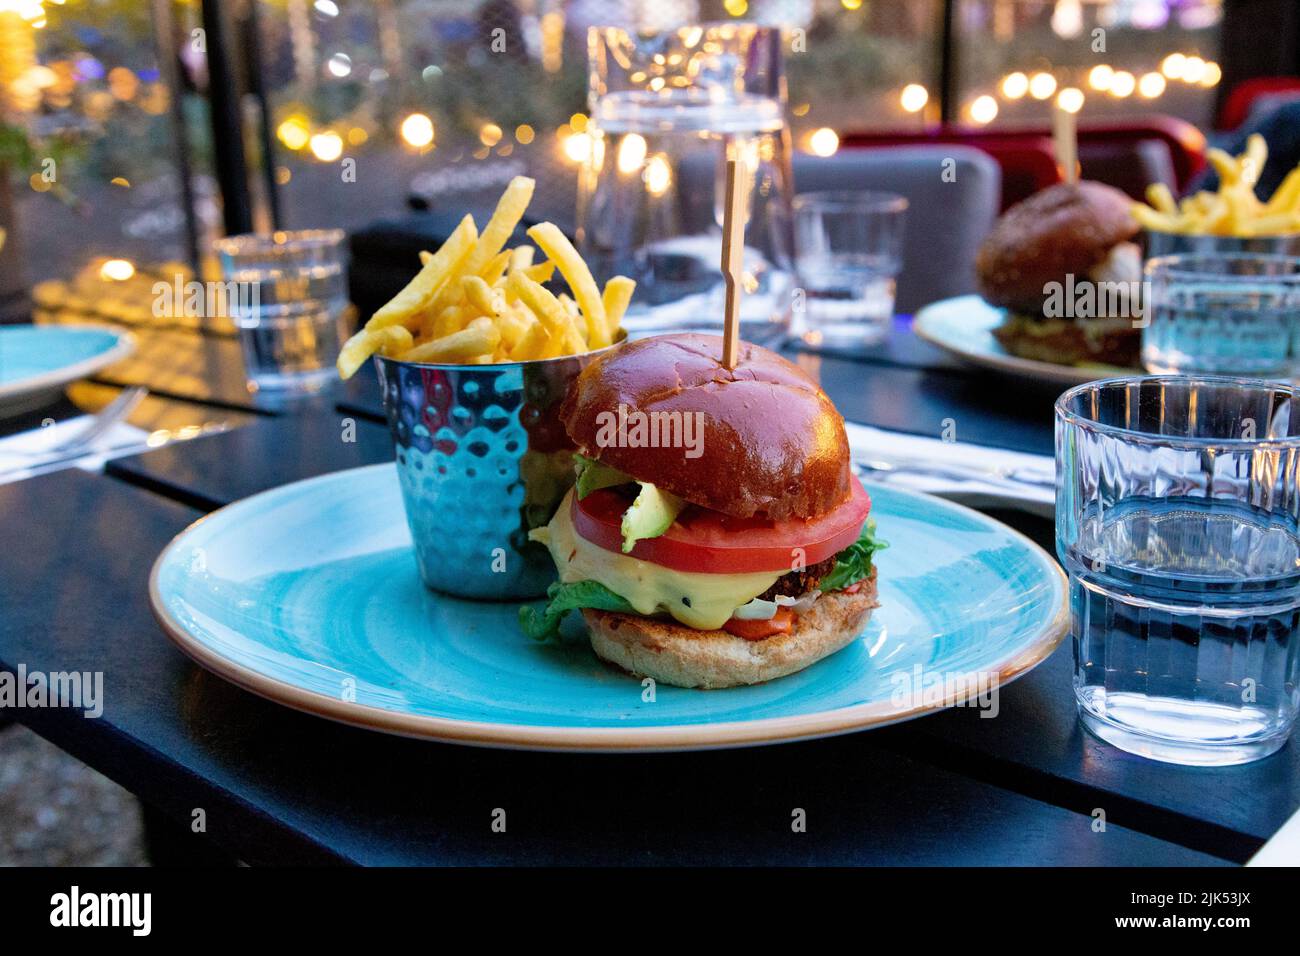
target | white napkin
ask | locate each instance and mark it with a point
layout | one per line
(1283, 849)
(870, 443)
(25, 453)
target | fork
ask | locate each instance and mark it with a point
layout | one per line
(100, 423)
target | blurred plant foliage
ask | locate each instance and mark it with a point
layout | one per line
(99, 110)
(840, 64)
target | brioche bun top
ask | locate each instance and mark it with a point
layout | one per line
(1064, 229)
(768, 439)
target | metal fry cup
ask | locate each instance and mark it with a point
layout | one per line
(483, 458)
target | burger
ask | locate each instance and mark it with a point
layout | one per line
(716, 534)
(1064, 266)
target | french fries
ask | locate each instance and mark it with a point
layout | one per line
(617, 295)
(387, 340)
(558, 248)
(420, 291)
(476, 302)
(1234, 210)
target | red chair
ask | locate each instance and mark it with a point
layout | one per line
(1186, 143)
(1238, 104)
(1028, 162)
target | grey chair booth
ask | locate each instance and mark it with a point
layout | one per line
(953, 194)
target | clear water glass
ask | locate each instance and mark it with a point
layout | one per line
(1178, 521)
(1223, 314)
(287, 295)
(668, 109)
(848, 253)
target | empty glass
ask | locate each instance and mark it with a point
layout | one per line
(667, 110)
(848, 253)
(1223, 314)
(1178, 520)
(288, 296)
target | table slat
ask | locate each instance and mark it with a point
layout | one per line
(215, 470)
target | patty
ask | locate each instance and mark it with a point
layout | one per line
(1072, 341)
(798, 583)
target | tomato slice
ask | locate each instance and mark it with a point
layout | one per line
(710, 542)
(761, 630)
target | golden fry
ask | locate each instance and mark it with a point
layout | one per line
(532, 344)
(1251, 162)
(513, 324)
(406, 307)
(496, 269)
(521, 257)
(1279, 224)
(617, 295)
(394, 340)
(479, 295)
(389, 340)
(576, 339)
(449, 320)
(478, 338)
(539, 301)
(1226, 166)
(1285, 196)
(557, 247)
(1159, 196)
(1155, 221)
(549, 311)
(541, 272)
(510, 209)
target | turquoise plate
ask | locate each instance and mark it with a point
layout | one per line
(37, 361)
(963, 327)
(308, 595)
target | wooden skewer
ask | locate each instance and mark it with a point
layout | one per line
(733, 251)
(1065, 140)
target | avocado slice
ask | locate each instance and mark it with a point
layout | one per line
(650, 515)
(592, 476)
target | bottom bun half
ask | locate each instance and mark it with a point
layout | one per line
(684, 657)
(1072, 342)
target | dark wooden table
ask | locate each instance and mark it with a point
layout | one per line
(276, 786)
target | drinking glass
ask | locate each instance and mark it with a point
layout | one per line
(287, 295)
(1181, 243)
(1223, 314)
(668, 108)
(1177, 509)
(848, 253)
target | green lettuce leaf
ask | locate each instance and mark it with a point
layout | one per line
(854, 562)
(543, 624)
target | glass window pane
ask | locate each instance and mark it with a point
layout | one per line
(89, 136)
(1108, 58)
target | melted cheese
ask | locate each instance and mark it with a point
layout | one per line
(702, 601)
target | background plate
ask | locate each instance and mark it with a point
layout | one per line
(37, 361)
(308, 594)
(963, 327)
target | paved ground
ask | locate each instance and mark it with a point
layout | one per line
(56, 811)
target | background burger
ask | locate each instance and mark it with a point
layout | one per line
(1069, 234)
(742, 560)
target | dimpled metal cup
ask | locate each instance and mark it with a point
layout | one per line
(483, 459)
